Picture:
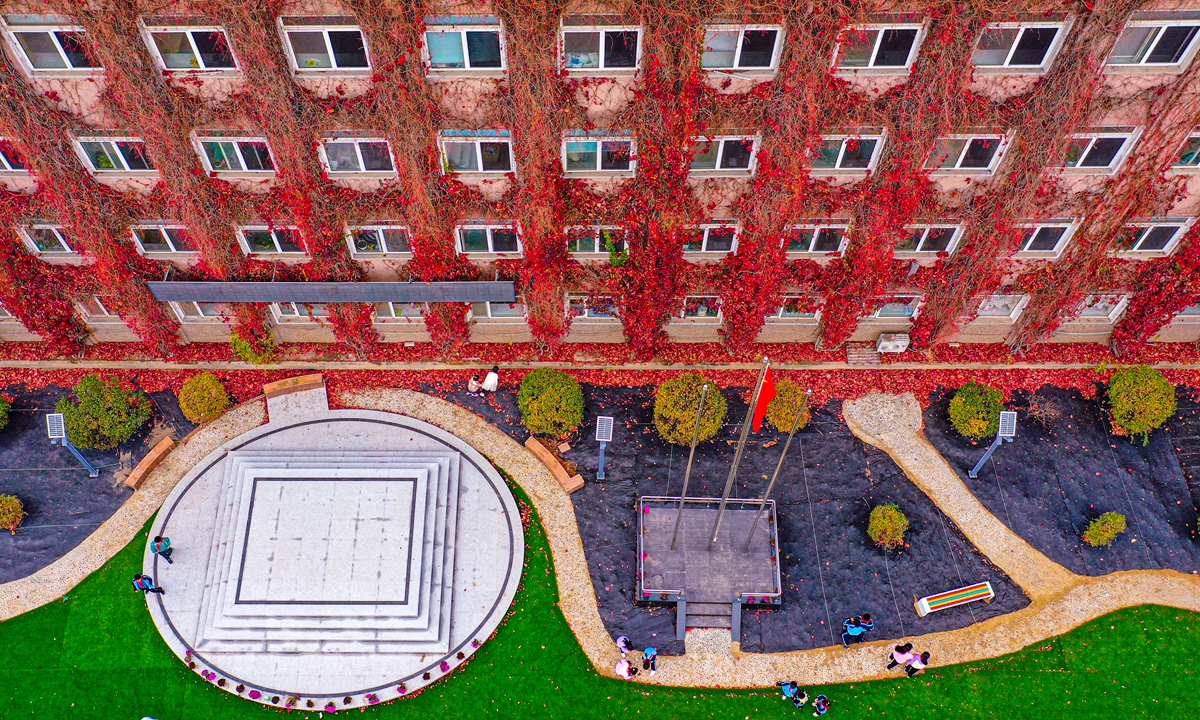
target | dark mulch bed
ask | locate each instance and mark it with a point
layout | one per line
(826, 520)
(1048, 484)
(63, 504)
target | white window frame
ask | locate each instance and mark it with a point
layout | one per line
(1131, 137)
(200, 316)
(1181, 225)
(817, 227)
(165, 229)
(1194, 167)
(321, 152)
(1113, 314)
(600, 140)
(104, 316)
(393, 317)
(894, 299)
(1188, 55)
(871, 69)
(6, 166)
(378, 228)
(427, 56)
(272, 229)
(1005, 140)
(1070, 225)
(1064, 27)
(124, 171)
(1183, 316)
(602, 69)
(490, 227)
(519, 302)
(925, 228)
(705, 229)
(285, 28)
(148, 37)
(26, 233)
(720, 316)
(595, 231)
(476, 139)
(584, 317)
(779, 317)
(198, 145)
(717, 171)
(11, 30)
(1018, 308)
(879, 138)
(737, 52)
(300, 312)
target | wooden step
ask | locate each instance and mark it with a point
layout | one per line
(709, 615)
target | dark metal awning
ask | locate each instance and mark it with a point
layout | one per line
(333, 292)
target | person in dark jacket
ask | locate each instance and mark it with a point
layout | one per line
(161, 546)
(145, 583)
(853, 629)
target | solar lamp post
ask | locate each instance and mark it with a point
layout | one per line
(1006, 433)
(604, 430)
(56, 429)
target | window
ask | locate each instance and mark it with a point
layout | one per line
(594, 240)
(1154, 44)
(1017, 46)
(191, 48)
(1189, 154)
(904, 307)
(55, 48)
(967, 153)
(710, 239)
(877, 46)
(493, 239)
(601, 48)
(1001, 307)
(498, 310)
(463, 153)
(465, 47)
(598, 155)
(929, 240)
(1156, 239)
(94, 309)
(1045, 240)
(116, 156)
(11, 159)
(161, 239)
(853, 153)
(357, 155)
(741, 48)
(716, 155)
(1190, 314)
(5, 314)
(817, 239)
(803, 308)
(300, 311)
(701, 307)
(48, 239)
(197, 311)
(319, 49)
(237, 154)
(1103, 151)
(378, 240)
(399, 311)
(1103, 308)
(262, 240)
(585, 307)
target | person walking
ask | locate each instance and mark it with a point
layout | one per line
(145, 583)
(625, 645)
(854, 628)
(901, 655)
(473, 386)
(625, 669)
(791, 691)
(491, 381)
(650, 660)
(162, 547)
(820, 706)
(917, 664)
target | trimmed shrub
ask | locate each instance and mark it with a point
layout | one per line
(11, 513)
(5, 407)
(1140, 400)
(1103, 531)
(975, 410)
(203, 398)
(102, 413)
(676, 404)
(887, 526)
(789, 400)
(551, 402)
(260, 353)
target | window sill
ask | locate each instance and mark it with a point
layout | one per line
(124, 174)
(599, 175)
(793, 321)
(999, 71)
(697, 321)
(448, 75)
(488, 257)
(1176, 69)
(1036, 256)
(1149, 255)
(479, 174)
(872, 72)
(602, 72)
(590, 257)
(368, 257)
(962, 173)
(64, 74)
(497, 321)
(171, 256)
(201, 320)
(1183, 170)
(1084, 172)
(400, 321)
(694, 255)
(176, 74)
(341, 175)
(333, 72)
(815, 255)
(242, 174)
(705, 174)
(749, 74)
(292, 257)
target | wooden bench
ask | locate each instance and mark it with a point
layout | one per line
(570, 483)
(954, 598)
(294, 384)
(148, 463)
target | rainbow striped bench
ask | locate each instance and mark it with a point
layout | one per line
(954, 598)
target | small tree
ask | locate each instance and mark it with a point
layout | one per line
(551, 402)
(1140, 401)
(203, 398)
(102, 413)
(975, 410)
(677, 404)
(5, 408)
(887, 526)
(789, 400)
(11, 513)
(1103, 531)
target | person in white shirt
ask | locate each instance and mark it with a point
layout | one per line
(917, 664)
(625, 669)
(492, 380)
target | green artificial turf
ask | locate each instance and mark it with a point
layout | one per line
(98, 655)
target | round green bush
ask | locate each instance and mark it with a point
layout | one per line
(102, 413)
(203, 398)
(11, 513)
(887, 526)
(551, 402)
(1140, 401)
(789, 400)
(677, 403)
(1102, 531)
(975, 410)
(5, 407)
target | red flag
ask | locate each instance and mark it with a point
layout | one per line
(764, 399)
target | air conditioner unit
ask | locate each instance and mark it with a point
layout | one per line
(892, 342)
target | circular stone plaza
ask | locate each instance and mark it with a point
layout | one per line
(335, 553)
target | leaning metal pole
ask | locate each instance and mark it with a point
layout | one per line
(771, 485)
(737, 456)
(688, 473)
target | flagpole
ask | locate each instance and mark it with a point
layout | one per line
(737, 456)
(688, 473)
(771, 485)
